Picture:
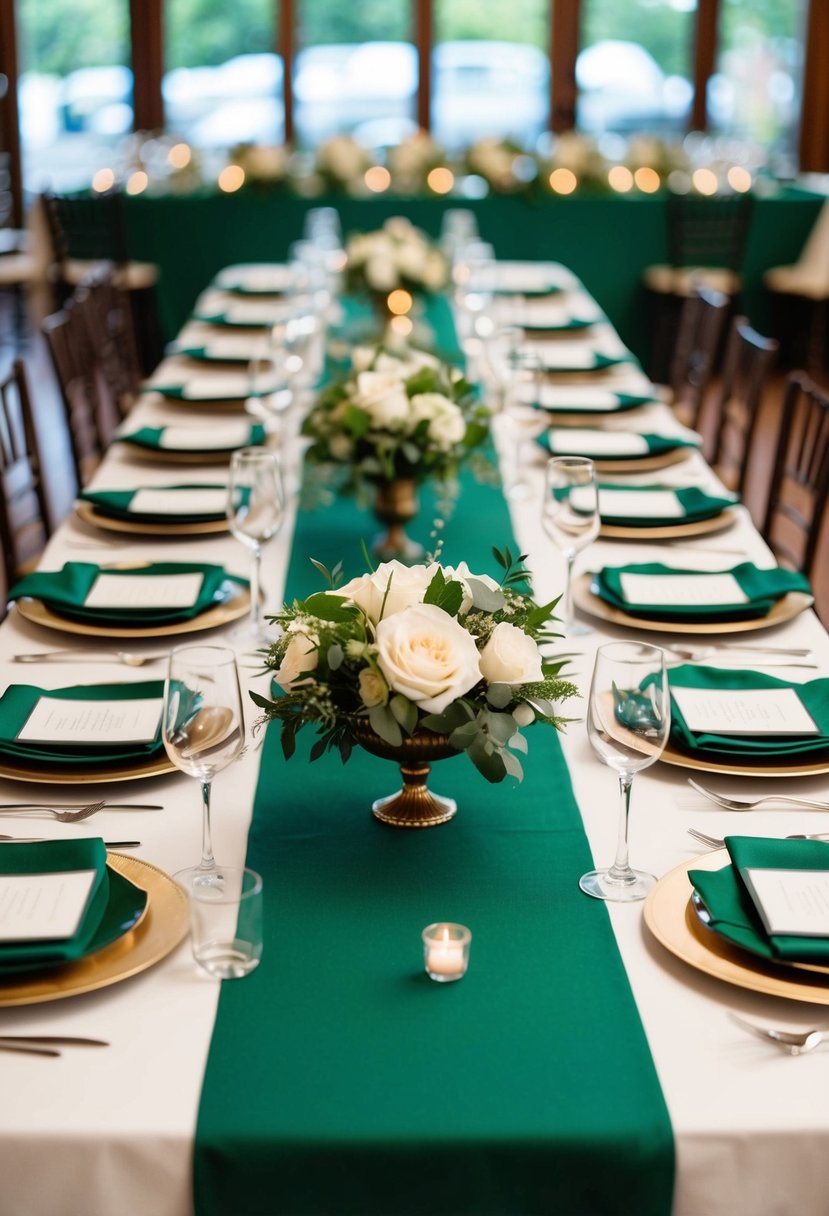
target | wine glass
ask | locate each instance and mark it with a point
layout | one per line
(203, 731)
(628, 721)
(570, 517)
(519, 371)
(255, 511)
(270, 396)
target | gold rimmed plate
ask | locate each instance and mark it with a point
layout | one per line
(743, 768)
(87, 513)
(180, 455)
(163, 926)
(670, 916)
(696, 527)
(220, 614)
(784, 609)
(641, 464)
(81, 774)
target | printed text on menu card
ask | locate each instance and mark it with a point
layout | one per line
(92, 723)
(47, 907)
(744, 711)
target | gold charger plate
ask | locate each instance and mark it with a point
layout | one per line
(672, 755)
(785, 609)
(182, 456)
(57, 774)
(697, 527)
(670, 917)
(87, 513)
(641, 464)
(221, 614)
(161, 928)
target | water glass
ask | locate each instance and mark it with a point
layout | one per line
(570, 517)
(226, 922)
(255, 512)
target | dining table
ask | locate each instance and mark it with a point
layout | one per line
(588, 1061)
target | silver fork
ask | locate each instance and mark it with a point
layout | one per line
(706, 652)
(714, 842)
(748, 804)
(118, 656)
(77, 816)
(795, 1042)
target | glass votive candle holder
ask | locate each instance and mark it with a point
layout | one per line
(446, 951)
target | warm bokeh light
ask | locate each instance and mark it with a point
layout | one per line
(377, 178)
(563, 181)
(137, 182)
(647, 180)
(399, 302)
(231, 178)
(401, 325)
(705, 181)
(441, 180)
(620, 178)
(103, 180)
(739, 179)
(180, 156)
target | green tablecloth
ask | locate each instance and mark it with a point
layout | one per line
(340, 1078)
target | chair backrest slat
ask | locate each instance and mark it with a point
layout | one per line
(25, 517)
(749, 358)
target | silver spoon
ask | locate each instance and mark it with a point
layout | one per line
(795, 1042)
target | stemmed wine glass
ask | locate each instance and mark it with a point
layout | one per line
(270, 396)
(203, 731)
(628, 722)
(570, 517)
(255, 512)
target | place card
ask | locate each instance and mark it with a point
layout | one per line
(597, 443)
(678, 590)
(216, 386)
(254, 312)
(92, 723)
(744, 711)
(276, 277)
(532, 276)
(205, 439)
(791, 903)
(640, 504)
(185, 501)
(561, 355)
(231, 346)
(43, 907)
(142, 591)
(577, 397)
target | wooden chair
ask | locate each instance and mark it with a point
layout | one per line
(25, 518)
(748, 360)
(701, 327)
(800, 479)
(111, 330)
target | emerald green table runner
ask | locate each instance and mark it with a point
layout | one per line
(340, 1078)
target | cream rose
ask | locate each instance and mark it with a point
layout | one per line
(511, 657)
(301, 654)
(373, 690)
(400, 586)
(427, 656)
(383, 396)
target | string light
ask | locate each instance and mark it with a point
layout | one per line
(440, 180)
(620, 179)
(231, 178)
(377, 178)
(563, 181)
(137, 182)
(103, 180)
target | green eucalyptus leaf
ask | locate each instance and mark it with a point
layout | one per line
(384, 724)
(519, 744)
(455, 715)
(335, 656)
(404, 712)
(500, 727)
(499, 695)
(484, 598)
(488, 762)
(512, 765)
(464, 736)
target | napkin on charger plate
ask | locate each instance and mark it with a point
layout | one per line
(755, 591)
(195, 439)
(690, 503)
(610, 445)
(118, 504)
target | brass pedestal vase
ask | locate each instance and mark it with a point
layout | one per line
(395, 505)
(413, 806)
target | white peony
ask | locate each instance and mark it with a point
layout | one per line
(427, 656)
(400, 586)
(301, 654)
(511, 657)
(383, 396)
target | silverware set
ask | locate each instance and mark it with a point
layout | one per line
(76, 814)
(793, 1042)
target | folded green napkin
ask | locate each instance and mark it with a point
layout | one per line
(124, 906)
(597, 363)
(57, 856)
(618, 403)
(18, 701)
(115, 504)
(203, 353)
(570, 324)
(150, 437)
(65, 591)
(657, 445)
(730, 748)
(763, 588)
(730, 906)
(695, 503)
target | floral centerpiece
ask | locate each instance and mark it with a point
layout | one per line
(412, 160)
(504, 165)
(432, 659)
(396, 256)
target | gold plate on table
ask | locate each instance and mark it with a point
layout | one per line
(696, 527)
(188, 456)
(670, 916)
(156, 935)
(784, 609)
(77, 774)
(672, 755)
(87, 513)
(641, 464)
(35, 610)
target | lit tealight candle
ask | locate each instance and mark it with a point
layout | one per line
(446, 951)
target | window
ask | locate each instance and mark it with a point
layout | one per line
(486, 81)
(74, 88)
(634, 71)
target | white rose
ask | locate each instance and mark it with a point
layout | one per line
(427, 656)
(400, 227)
(340, 447)
(400, 586)
(373, 690)
(433, 270)
(511, 657)
(383, 396)
(461, 574)
(446, 422)
(381, 272)
(301, 654)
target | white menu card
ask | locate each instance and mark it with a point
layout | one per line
(216, 386)
(678, 590)
(599, 443)
(92, 723)
(744, 711)
(145, 590)
(641, 504)
(205, 439)
(198, 501)
(48, 907)
(790, 902)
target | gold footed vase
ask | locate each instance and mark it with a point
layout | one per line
(395, 505)
(413, 806)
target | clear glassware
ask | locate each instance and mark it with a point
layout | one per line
(203, 730)
(255, 513)
(270, 395)
(628, 722)
(570, 517)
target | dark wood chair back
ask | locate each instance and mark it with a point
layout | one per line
(25, 518)
(701, 327)
(109, 318)
(708, 231)
(748, 359)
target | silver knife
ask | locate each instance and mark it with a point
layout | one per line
(78, 806)
(110, 844)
